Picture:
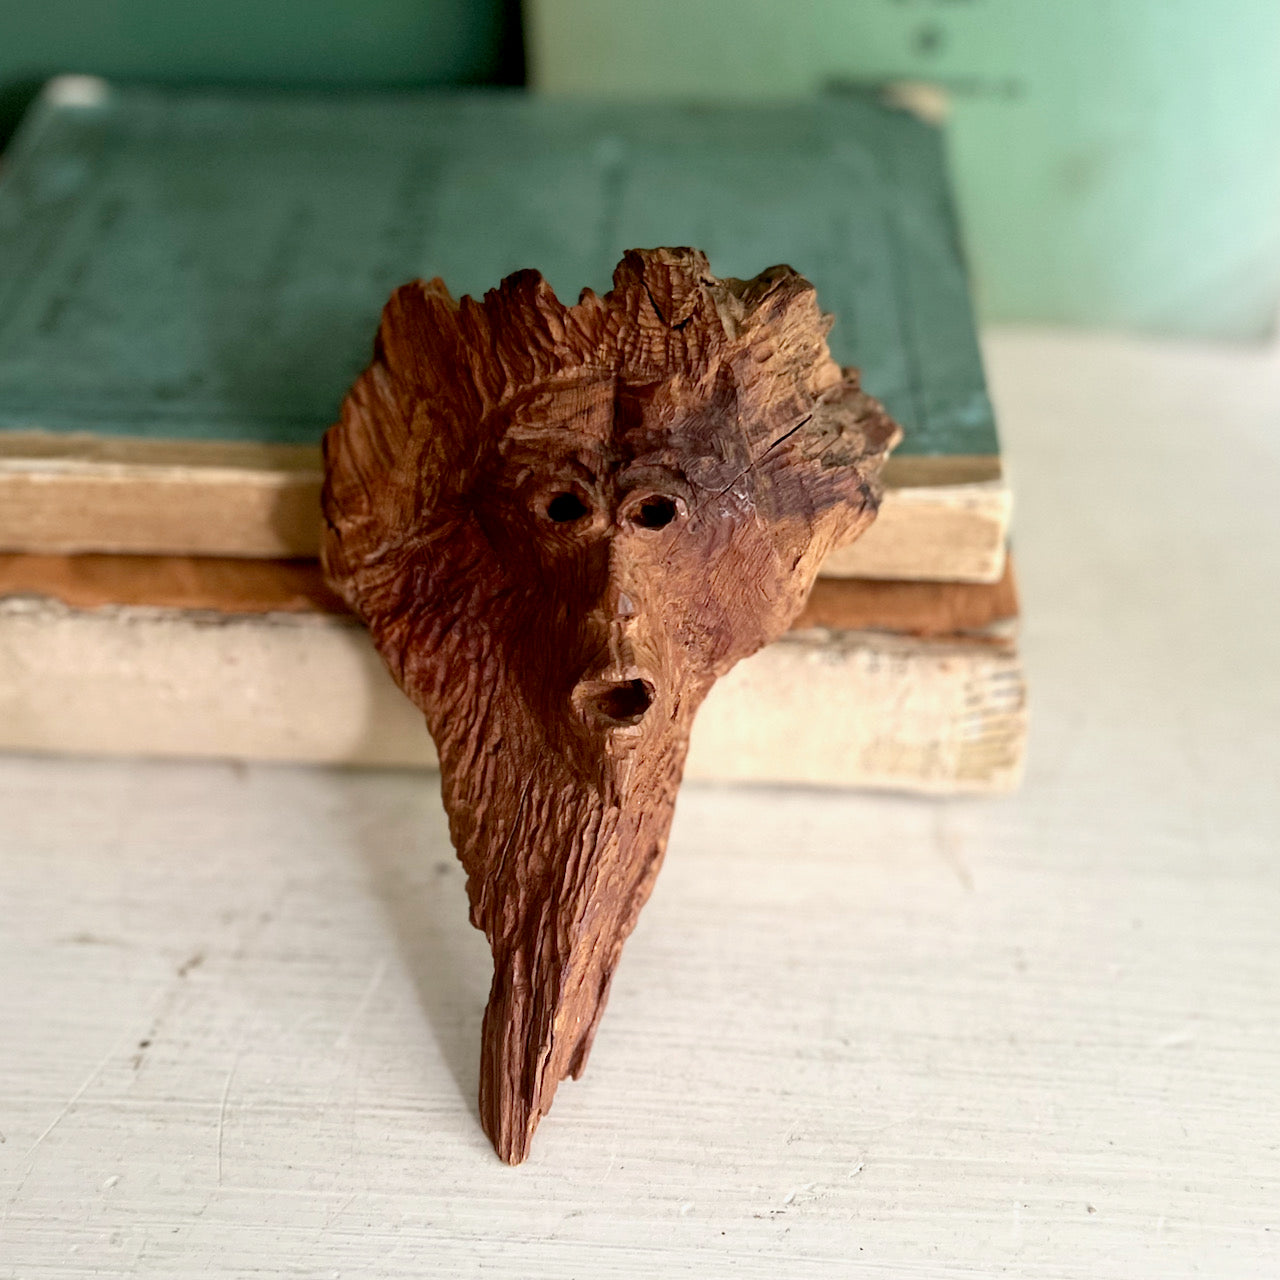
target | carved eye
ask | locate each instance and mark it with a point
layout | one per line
(564, 508)
(653, 511)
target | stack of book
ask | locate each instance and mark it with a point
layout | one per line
(189, 282)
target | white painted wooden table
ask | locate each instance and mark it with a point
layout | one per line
(853, 1035)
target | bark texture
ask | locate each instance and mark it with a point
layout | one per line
(561, 524)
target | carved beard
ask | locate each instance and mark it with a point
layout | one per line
(561, 525)
(560, 786)
(589, 858)
(576, 866)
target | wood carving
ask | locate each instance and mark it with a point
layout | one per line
(561, 524)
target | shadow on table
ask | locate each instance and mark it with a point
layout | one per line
(413, 872)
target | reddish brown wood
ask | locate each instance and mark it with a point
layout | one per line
(561, 524)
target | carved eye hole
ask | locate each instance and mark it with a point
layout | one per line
(564, 508)
(654, 512)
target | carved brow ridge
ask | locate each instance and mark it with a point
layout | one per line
(758, 459)
(751, 466)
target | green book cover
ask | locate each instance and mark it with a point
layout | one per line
(210, 267)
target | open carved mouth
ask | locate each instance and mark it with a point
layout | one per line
(616, 704)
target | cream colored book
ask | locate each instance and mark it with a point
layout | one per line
(914, 686)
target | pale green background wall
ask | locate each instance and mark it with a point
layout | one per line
(1117, 161)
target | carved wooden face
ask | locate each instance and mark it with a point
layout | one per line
(561, 525)
(649, 564)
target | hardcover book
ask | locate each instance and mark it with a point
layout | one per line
(914, 686)
(189, 282)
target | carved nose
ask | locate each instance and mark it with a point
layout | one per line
(617, 604)
(618, 599)
(615, 704)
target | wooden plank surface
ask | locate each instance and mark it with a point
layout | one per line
(1034, 1037)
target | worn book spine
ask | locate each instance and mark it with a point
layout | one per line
(941, 519)
(917, 687)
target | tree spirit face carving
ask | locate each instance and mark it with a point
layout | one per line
(561, 524)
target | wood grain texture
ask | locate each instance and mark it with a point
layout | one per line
(561, 524)
(950, 1040)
